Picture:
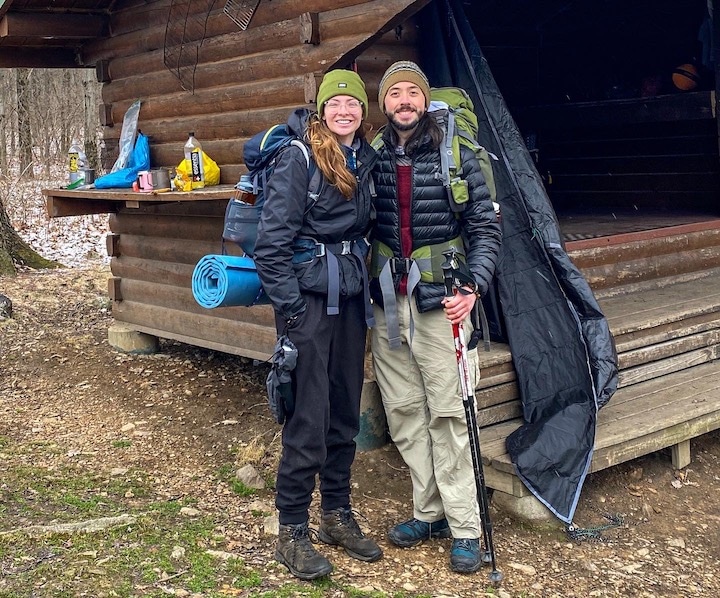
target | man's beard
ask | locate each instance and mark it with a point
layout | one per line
(401, 126)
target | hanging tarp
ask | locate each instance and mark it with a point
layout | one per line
(562, 348)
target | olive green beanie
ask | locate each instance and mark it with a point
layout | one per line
(403, 70)
(342, 83)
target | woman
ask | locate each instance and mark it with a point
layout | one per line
(310, 255)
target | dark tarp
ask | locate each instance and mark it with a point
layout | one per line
(563, 352)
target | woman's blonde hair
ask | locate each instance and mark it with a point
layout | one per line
(330, 156)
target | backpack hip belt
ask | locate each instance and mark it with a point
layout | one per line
(423, 265)
(357, 247)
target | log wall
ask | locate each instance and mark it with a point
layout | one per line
(244, 81)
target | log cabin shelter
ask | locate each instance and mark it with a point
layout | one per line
(604, 159)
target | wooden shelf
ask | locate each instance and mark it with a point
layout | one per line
(77, 202)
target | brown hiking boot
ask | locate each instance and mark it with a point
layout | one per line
(339, 527)
(296, 552)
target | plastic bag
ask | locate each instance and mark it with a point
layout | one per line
(184, 170)
(139, 160)
(127, 135)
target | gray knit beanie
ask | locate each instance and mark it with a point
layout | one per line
(403, 70)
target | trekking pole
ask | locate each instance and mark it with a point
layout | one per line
(456, 276)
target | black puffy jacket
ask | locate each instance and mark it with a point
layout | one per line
(285, 217)
(432, 220)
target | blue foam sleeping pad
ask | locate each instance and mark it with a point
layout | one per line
(227, 281)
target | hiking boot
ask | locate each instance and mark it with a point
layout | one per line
(465, 555)
(413, 531)
(338, 527)
(296, 552)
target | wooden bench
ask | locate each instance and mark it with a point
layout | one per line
(668, 339)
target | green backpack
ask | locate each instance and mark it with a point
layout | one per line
(453, 110)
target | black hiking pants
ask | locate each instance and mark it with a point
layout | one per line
(319, 437)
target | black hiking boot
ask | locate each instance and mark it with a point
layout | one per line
(338, 527)
(296, 552)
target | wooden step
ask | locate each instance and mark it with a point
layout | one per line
(668, 341)
(639, 419)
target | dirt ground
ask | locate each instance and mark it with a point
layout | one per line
(187, 412)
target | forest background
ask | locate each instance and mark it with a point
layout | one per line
(41, 112)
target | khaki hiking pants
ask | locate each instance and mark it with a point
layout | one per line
(423, 404)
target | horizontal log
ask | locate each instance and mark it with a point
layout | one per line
(667, 349)
(169, 273)
(202, 330)
(633, 146)
(180, 299)
(658, 266)
(499, 413)
(169, 226)
(579, 165)
(676, 107)
(638, 182)
(284, 91)
(666, 332)
(494, 395)
(272, 64)
(337, 23)
(146, 31)
(691, 237)
(183, 251)
(217, 126)
(678, 363)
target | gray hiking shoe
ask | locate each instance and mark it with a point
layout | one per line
(338, 527)
(296, 552)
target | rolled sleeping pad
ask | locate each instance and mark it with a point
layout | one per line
(227, 281)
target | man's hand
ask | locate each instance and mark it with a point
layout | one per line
(459, 306)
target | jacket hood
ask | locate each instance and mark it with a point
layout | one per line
(298, 121)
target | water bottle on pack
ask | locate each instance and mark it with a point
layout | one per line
(193, 154)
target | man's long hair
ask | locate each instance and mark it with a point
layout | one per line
(330, 156)
(427, 128)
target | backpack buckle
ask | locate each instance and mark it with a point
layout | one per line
(346, 247)
(320, 249)
(400, 265)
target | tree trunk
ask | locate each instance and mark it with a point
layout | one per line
(24, 126)
(15, 252)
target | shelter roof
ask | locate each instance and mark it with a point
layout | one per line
(49, 33)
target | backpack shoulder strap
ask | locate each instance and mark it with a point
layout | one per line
(315, 175)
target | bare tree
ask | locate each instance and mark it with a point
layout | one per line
(41, 111)
(24, 126)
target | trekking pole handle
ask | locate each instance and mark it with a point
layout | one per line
(456, 274)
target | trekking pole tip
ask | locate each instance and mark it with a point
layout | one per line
(495, 577)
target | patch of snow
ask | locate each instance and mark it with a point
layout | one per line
(74, 241)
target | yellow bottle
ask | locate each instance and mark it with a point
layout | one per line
(193, 154)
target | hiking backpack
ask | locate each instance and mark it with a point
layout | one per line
(453, 110)
(260, 154)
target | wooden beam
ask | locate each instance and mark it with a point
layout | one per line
(53, 26)
(36, 58)
(310, 28)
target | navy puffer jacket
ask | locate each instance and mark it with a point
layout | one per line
(287, 216)
(432, 220)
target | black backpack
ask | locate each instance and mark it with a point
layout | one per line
(260, 155)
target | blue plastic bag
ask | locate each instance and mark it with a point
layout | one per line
(139, 160)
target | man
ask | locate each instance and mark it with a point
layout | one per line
(412, 343)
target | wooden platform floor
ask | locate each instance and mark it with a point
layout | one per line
(668, 342)
(582, 225)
